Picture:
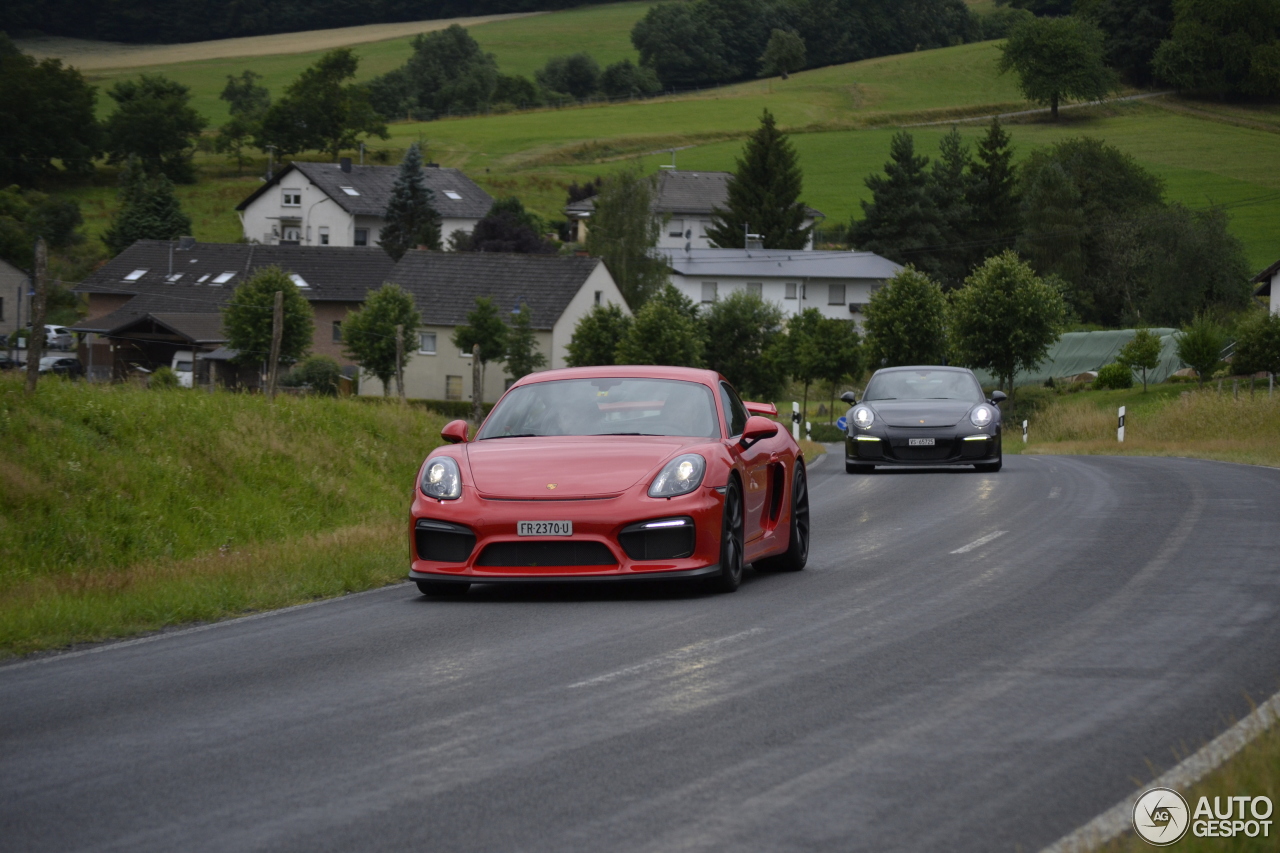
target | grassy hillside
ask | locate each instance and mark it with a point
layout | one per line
(124, 510)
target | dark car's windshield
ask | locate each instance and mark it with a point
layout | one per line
(923, 385)
(615, 406)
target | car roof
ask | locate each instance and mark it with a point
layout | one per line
(625, 371)
(904, 367)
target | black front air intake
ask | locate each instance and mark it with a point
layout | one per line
(442, 541)
(660, 539)
(570, 552)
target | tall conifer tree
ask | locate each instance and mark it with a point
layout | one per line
(411, 220)
(149, 210)
(902, 221)
(764, 195)
(993, 193)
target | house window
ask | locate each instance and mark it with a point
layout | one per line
(337, 331)
(675, 228)
(755, 288)
(362, 236)
(791, 290)
(202, 279)
(293, 198)
(708, 291)
(1, 309)
(453, 387)
(427, 343)
(292, 235)
(173, 279)
(324, 235)
(599, 293)
(835, 294)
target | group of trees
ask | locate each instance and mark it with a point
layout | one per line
(1079, 210)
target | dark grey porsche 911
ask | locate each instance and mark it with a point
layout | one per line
(922, 416)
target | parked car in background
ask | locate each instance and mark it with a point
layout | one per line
(183, 362)
(58, 337)
(62, 365)
(7, 363)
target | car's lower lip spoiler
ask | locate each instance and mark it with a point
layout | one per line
(632, 576)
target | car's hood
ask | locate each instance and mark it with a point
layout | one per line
(920, 413)
(559, 467)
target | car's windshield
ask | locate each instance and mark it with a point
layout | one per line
(614, 406)
(923, 385)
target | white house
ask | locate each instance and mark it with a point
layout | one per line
(558, 290)
(340, 204)
(839, 284)
(15, 299)
(683, 203)
(1268, 281)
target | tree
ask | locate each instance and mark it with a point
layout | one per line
(993, 194)
(1200, 345)
(484, 326)
(764, 194)
(624, 79)
(516, 90)
(410, 219)
(803, 350)
(1142, 352)
(744, 335)
(842, 355)
(320, 112)
(682, 44)
(665, 331)
(783, 54)
(597, 336)
(248, 102)
(1258, 344)
(46, 116)
(577, 76)
(1132, 32)
(247, 318)
(507, 227)
(624, 232)
(155, 122)
(369, 333)
(1057, 58)
(446, 73)
(950, 182)
(1223, 47)
(149, 210)
(1005, 318)
(902, 221)
(522, 354)
(905, 321)
(28, 214)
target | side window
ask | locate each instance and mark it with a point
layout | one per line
(735, 414)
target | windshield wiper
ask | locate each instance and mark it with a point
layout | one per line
(512, 435)
(659, 434)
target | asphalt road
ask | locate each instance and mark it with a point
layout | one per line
(908, 691)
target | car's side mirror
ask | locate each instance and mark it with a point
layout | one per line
(758, 428)
(849, 397)
(998, 397)
(455, 432)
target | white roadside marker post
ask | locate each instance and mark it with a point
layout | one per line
(795, 420)
(808, 430)
(1024, 432)
(1120, 427)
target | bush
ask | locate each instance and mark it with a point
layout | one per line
(823, 432)
(320, 373)
(1114, 375)
(164, 377)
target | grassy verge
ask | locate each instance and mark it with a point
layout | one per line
(124, 510)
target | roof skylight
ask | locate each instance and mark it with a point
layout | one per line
(224, 278)
(299, 280)
(202, 279)
(135, 275)
(453, 195)
(173, 277)
(350, 190)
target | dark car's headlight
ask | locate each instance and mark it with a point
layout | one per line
(441, 480)
(863, 417)
(981, 416)
(679, 476)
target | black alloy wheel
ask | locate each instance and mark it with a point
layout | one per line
(442, 589)
(797, 554)
(732, 547)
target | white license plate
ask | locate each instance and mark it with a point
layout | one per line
(920, 442)
(545, 528)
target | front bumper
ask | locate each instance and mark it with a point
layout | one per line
(952, 446)
(475, 539)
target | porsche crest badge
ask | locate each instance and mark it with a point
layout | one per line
(551, 485)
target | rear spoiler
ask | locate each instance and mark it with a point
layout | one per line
(761, 408)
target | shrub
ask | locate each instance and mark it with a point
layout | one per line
(1114, 375)
(320, 373)
(164, 377)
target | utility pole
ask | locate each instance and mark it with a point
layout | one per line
(400, 360)
(477, 393)
(35, 343)
(277, 332)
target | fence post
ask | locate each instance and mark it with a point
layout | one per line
(1120, 427)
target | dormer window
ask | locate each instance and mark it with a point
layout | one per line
(350, 190)
(135, 275)
(224, 278)
(293, 198)
(453, 195)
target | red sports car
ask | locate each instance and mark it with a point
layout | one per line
(611, 473)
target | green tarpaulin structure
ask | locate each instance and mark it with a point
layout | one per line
(1080, 352)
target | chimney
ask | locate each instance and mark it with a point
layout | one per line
(431, 165)
(345, 164)
(186, 244)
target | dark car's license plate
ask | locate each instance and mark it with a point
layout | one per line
(920, 442)
(545, 528)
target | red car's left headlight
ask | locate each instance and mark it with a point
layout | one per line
(441, 479)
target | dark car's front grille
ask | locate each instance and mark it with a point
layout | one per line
(942, 450)
(543, 553)
(442, 541)
(664, 539)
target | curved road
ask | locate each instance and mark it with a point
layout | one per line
(911, 690)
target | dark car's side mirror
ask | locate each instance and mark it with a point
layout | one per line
(758, 428)
(455, 432)
(998, 397)
(849, 397)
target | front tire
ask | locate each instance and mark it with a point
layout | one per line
(732, 546)
(442, 589)
(797, 553)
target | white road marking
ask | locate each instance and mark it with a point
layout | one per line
(1055, 492)
(1119, 818)
(663, 660)
(978, 543)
